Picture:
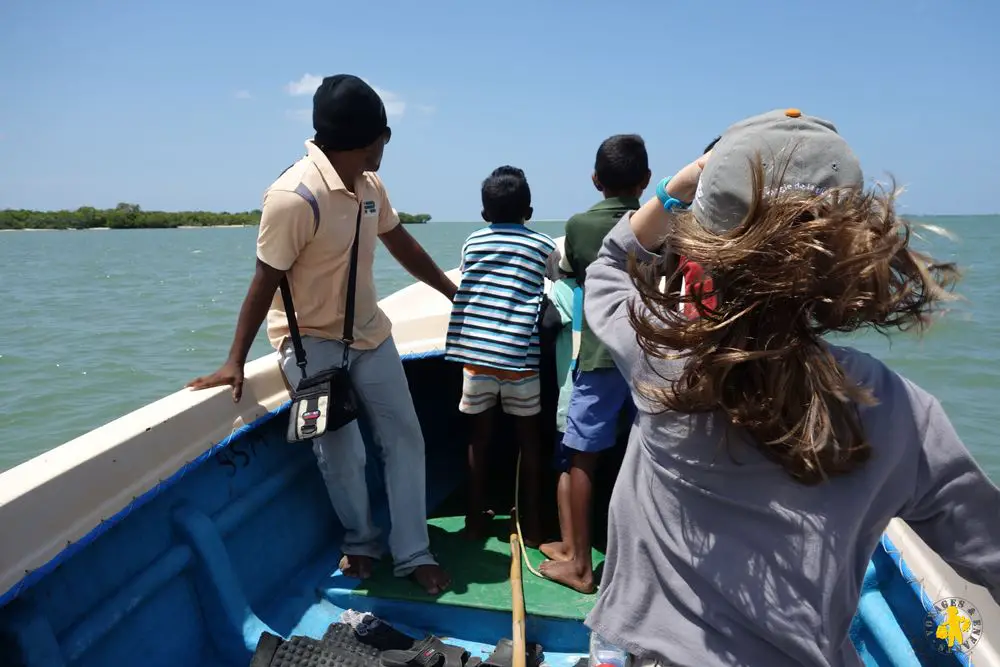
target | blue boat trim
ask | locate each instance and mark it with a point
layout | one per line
(33, 576)
(918, 590)
(908, 576)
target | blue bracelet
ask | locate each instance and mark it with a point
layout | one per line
(669, 203)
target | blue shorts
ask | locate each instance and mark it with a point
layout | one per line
(595, 406)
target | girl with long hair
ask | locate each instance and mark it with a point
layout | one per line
(766, 462)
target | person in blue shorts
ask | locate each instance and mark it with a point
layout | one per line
(600, 393)
(494, 333)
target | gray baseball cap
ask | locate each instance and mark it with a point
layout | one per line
(817, 158)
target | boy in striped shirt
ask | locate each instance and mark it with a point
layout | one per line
(493, 332)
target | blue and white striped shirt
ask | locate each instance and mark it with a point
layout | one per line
(494, 320)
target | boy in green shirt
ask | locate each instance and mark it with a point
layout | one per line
(600, 393)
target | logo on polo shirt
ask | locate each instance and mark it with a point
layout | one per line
(370, 208)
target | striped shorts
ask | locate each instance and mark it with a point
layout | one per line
(519, 392)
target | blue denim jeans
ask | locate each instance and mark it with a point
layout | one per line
(384, 395)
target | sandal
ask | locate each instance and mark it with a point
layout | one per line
(430, 652)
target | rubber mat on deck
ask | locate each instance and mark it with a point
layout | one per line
(309, 652)
(377, 637)
(360, 640)
(342, 646)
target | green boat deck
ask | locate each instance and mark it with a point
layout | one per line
(481, 575)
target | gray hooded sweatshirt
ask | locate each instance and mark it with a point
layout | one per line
(716, 561)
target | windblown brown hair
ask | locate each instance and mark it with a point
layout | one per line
(799, 265)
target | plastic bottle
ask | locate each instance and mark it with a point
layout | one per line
(605, 654)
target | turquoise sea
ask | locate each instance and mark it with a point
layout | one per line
(98, 323)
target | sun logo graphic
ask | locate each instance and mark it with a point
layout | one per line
(954, 625)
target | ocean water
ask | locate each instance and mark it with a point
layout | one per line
(98, 323)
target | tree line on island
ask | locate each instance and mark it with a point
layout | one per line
(130, 216)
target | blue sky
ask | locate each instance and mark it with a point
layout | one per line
(192, 105)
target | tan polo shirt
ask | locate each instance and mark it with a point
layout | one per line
(317, 259)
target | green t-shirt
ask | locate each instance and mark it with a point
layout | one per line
(585, 234)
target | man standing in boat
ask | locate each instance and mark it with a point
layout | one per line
(312, 248)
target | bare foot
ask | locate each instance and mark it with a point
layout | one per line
(359, 567)
(432, 578)
(559, 551)
(568, 574)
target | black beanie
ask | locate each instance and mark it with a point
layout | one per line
(347, 113)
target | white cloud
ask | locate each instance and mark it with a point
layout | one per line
(307, 85)
(426, 109)
(395, 106)
(242, 95)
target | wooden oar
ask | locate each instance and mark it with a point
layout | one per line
(517, 602)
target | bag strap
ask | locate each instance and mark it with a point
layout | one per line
(286, 290)
(352, 287)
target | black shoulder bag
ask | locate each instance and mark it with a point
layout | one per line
(325, 401)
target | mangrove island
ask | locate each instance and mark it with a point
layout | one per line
(130, 216)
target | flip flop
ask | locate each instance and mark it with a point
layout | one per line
(503, 655)
(430, 652)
